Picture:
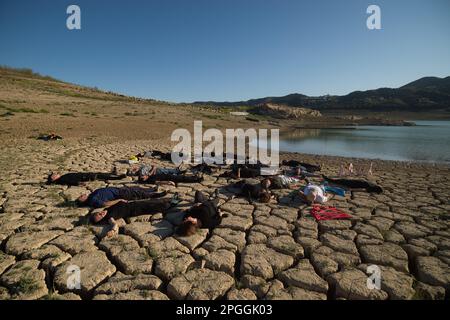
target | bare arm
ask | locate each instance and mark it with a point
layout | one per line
(114, 228)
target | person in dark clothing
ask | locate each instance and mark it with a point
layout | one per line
(161, 155)
(167, 156)
(355, 184)
(174, 178)
(77, 178)
(203, 168)
(124, 209)
(252, 191)
(48, 137)
(256, 166)
(294, 163)
(106, 197)
(204, 214)
(242, 171)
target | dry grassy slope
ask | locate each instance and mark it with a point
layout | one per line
(31, 104)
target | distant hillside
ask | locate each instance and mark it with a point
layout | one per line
(429, 83)
(32, 104)
(425, 94)
(27, 79)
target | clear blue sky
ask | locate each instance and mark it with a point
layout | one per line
(191, 50)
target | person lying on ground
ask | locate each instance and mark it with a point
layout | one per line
(77, 178)
(241, 173)
(300, 172)
(107, 197)
(48, 137)
(281, 182)
(136, 170)
(252, 191)
(155, 154)
(148, 170)
(126, 209)
(244, 171)
(204, 168)
(314, 194)
(309, 167)
(232, 158)
(167, 156)
(116, 214)
(204, 214)
(355, 184)
(171, 179)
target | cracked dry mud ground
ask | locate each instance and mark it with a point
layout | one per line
(260, 251)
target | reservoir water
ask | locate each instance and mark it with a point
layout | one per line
(427, 141)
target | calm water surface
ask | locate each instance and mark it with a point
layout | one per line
(427, 141)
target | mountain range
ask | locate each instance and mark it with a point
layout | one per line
(425, 94)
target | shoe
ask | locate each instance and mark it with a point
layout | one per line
(175, 199)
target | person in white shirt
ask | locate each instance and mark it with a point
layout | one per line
(314, 194)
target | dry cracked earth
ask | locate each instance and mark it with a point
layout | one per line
(260, 251)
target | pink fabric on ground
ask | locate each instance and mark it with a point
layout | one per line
(328, 213)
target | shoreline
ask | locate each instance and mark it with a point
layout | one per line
(430, 163)
(166, 145)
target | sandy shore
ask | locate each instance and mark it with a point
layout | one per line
(260, 251)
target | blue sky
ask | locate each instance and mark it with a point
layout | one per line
(190, 50)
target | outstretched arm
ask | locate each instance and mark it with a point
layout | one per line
(114, 228)
(153, 171)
